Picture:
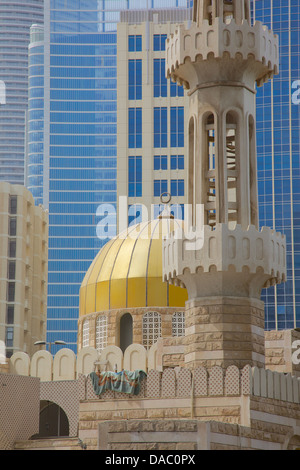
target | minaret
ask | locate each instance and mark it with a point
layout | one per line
(220, 60)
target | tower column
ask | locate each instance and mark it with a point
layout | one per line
(224, 268)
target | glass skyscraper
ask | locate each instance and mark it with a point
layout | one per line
(72, 140)
(16, 17)
(278, 149)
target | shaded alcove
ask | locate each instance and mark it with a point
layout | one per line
(53, 421)
(126, 331)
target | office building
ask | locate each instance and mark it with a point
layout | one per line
(72, 141)
(278, 149)
(152, 116)
(16, 17)
(23, 269)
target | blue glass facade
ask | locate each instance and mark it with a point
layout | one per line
(73, 140)
(278, 148)
(16, 18)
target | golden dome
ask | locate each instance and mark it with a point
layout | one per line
(127, 272)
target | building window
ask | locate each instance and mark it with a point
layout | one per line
(101, 332)
(160, 82)
(135, 128)
(11, 270)
(9, 337)
(12, 249)
(11, 292)
(177, 162)
(135, 214)
(12, 227)
(160, 126)
(135, 79)
(135, 176)
(177, 187)
(177, 210)
(10, 314)
(159, 42)
(126, 331)
(178, 328)
(151, 328)
(175, 89)
(85, 334)
(160, 187)
(160, 162)
(177, 126)
(135, 43)
(13, 205)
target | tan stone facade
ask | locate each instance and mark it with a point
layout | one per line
(224, 331)
(23, 269)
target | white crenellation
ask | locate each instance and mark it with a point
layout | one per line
(223, 250)
(171, 383)
(222, 40)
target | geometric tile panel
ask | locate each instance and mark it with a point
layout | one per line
(65, 393)
(153, 384)
(184, 383)
(19, 416)
(232, 381)
(200, 382)
(168, 383)
(216, 381)
(246, 380)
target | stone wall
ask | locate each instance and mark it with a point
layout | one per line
(19, 417)
(281, 351)
(178, 435)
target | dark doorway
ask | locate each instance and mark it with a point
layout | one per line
(125, 331)
(53, 421)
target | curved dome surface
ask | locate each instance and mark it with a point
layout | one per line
(127, 272)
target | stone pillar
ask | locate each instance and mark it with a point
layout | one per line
(220, 60)
(222, 331)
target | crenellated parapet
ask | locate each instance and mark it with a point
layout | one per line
(250, 254)
(189, 52)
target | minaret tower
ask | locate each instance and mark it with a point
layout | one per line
(220, 60)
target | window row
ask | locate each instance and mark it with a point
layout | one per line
(162, 186)
(151, 329)
(161, 162)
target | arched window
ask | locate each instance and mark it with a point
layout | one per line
(151, 328)
(178, 328)
(210, 170)
(53, 421)
(126, 331)
(232, 166)
(85, 334)
(101, 332)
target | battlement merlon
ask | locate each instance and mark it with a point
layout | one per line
(189, 54)
(225, 262)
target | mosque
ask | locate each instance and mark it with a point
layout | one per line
(172, 352)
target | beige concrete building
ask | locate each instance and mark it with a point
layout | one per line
(152, 112)
(23, 269)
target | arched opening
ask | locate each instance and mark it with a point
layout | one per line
(209, 171)
(252, 173)
(126, 331)
(232, 167)
(53, 421)
(191, 188)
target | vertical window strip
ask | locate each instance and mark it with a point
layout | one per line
(101, 332)
(85, 334)
(178, 324)
(135, 176)
(151, 329)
